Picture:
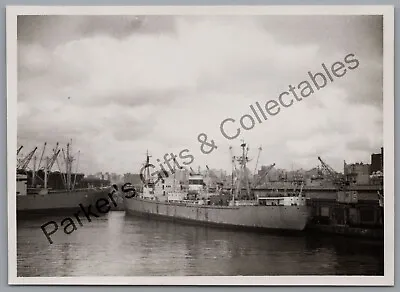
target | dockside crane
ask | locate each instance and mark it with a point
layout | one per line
(219, 180)
(337, 178)
(344, 194)
(51, 160)
(41, 157)
(258, 181)
(18, 158)
(258, 157)
(211, 173)
(23, 164)
(19, 149)
(47, 162)
(37, 167)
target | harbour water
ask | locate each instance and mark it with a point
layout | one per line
(122, 245)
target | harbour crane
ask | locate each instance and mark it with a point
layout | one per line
(336, 177)
(41, 157)
(19, 149)
(51, 160)
(258, 157)
(48, 164)
(23, 164)
(18, 158)
(344, 194)
(212, 174)
(258, 181)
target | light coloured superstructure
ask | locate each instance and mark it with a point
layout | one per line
(281, 212)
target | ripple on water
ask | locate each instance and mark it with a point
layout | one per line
(119, 245)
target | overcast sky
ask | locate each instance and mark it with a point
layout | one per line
(118, 86)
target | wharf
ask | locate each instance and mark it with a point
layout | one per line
(354, 213)
(333, 212)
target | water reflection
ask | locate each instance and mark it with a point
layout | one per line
(119, 245)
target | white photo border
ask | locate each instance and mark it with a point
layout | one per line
(388, 107)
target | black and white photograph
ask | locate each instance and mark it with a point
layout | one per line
(200, 145)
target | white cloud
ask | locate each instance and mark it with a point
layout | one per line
(158, 91)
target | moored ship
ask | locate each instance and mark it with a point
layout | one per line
(38, 190)
(284, 211)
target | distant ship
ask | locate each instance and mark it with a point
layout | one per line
(40, 197)
(163, 199)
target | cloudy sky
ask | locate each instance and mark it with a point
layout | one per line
(118, 86)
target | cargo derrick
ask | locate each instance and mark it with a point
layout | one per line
(240, 174)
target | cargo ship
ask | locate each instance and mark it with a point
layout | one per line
(165, 200)
(39, 191)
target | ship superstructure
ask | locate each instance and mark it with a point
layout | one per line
(281, 212)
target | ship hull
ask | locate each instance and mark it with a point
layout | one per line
(54, 202)
(289, 218)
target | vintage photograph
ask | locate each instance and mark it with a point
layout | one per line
(200, 144)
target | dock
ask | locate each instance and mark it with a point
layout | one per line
(354, 213)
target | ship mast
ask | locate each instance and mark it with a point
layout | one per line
(245, 159)
(34, 172)
(46, 172)
(147, 163)
(146, 175)
(242, 173)
(68, 163)
(233, 158)
(173, 186)
(76, 172)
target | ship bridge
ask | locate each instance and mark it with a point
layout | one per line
(196, 183)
